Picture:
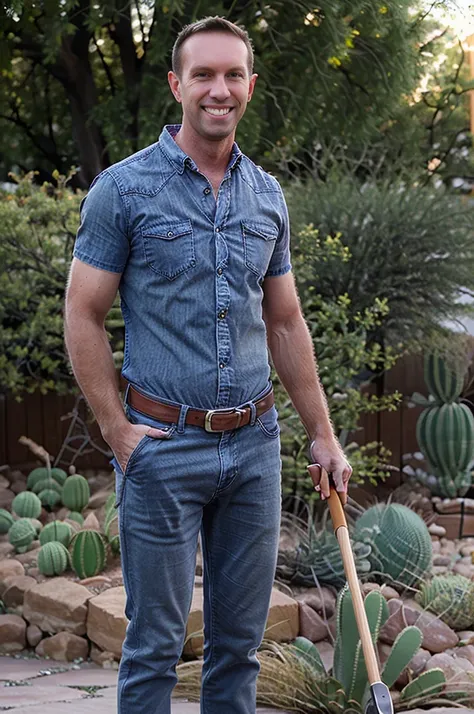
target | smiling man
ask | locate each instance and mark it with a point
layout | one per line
(196, 238)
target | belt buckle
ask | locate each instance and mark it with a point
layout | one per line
(210, 414)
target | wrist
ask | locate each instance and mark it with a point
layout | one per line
(113, 431)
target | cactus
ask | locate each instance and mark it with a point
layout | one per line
(405, 647)
(76, 492)
(53, 558)
(111, 528)
(46, 484)
(308, 653)
(444, 384)
(427, 684)
(451, 597)
(38, 474)
(399, 540)
(21, 534)
(37, 525)
(75, 516)
(49, 498)
(88, 554)
(26, 505)
(59, 475)
(56, 531)
(110, 503)
(6, 521)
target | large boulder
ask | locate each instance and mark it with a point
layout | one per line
(12, 634)
(9, 569)
(65, 647)
(106, 621)
(16, 588)
(437, 636)
(312, 625)
(57, 605)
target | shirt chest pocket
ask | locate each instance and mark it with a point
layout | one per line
(169, 248)
(259, 244)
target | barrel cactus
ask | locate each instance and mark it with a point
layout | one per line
(75, 516)
(445, 429)
(21, 534)
(6, 521)
(38, 474)
(56, 531)
(400, 543)
(49, 498)
(47, 484)
(451, 597)
(59, 475)
(76, 493)
(26, 505)
(88, 553)
(53, 558)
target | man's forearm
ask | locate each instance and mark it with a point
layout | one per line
(293, 357)
(93, 366)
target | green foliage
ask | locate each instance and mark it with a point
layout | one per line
(426, 686)
(26, 505)
(399, 540)
(445, 429)
(53, 558)
(309, 653)
(21, 534)
(406, 645)
(6, 521)
(56, 531)
(88, 553)
(76, 493)
(451, 597)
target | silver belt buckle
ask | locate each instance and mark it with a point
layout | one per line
(210, 414)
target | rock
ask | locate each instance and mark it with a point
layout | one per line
(18, 487)
(466, 637)
(453, 668)
(91, 523)
(39, 649)
(322, 600)
(388, 592)
(462, 569)
(368, 588)
(448, 547)
(96, 580)
(6, 498)
(442, 560)
(439, 569)
(106, 621)
(12, 634)
(102, 658)
(437, 636)
(312, 625)
(436, 545)
(4, 482)
(98, 499)
(31, 556)
(467, 550)
(56, 605)
(33, 635)
(16, 588)
(6, 549)
(74, 525)
(437, 530)
(65, 647)
(418, 662)
(9, 569)
(466, 652)
(326, 651)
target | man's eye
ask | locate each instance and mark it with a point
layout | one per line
(236, 74)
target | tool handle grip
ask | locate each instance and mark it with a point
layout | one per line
(336, 503)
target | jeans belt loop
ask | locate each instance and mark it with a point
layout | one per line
(182, 419)
(253, 414)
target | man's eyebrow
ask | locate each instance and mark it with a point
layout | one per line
(203, 68)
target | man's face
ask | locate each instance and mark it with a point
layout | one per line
(214, 86)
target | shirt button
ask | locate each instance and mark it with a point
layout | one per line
(218, 230)
(219, 271)
(207, 191)
(222, 365)
(170, 234)
(222, 314)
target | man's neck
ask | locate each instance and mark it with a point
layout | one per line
(209, 156)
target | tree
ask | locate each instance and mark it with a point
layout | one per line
(84, 84)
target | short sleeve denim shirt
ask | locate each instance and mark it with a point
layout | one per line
(192, 270)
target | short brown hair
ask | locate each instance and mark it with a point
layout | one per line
(210, 24)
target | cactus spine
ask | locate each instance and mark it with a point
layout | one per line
(400, 542)
(88, 553)
(53, 558)
(451, 597)
(445, 430)
(6, 521)
(26, 505)
(76, 492)
(21, 534)
(56, 531)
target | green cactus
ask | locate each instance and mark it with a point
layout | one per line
(53, 558)
(444, 384)
(46, 484)
(308, 653)
(26, 505)
(427, 684)
(37, 525)
(88, 553)
(49, 498)
(76, 493)
(59, 475)
(38, 474)
(6, 521)
(75, 516)
(111, 528)
(110, 503)
(21, 534)
(56, 531)
(400, 543)
(451, 597)
(405, 647)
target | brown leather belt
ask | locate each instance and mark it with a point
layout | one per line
(213, 420)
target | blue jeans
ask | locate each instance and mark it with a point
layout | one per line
(227, 486)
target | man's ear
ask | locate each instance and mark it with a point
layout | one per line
(174, 83)
(253, 79)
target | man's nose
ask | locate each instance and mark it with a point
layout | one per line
(219, 89)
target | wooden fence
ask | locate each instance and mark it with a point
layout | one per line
(43, 418)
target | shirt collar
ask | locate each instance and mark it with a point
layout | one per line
(177, 156)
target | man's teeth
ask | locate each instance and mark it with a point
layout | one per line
(217, 112)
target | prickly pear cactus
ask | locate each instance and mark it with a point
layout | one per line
(76, 493)
(53, 558)
(56, 531)
(26, 505)
(451, 597)
(6, 521)
(21, 534)
(400, 543)
(88, 553)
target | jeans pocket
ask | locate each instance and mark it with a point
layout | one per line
(268, 423)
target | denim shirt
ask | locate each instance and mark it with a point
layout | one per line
(192, 269)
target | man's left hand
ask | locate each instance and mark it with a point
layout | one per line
(328, 452)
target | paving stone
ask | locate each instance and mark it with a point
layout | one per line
(37, 693)
(84, 678)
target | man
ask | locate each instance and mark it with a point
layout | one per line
(196, 237)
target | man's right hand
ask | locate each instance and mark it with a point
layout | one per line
(125, 441)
